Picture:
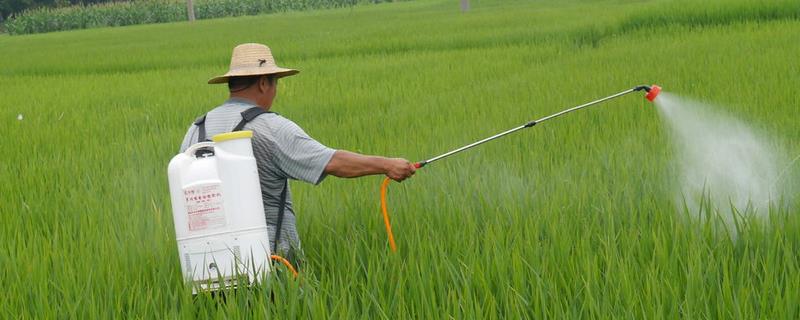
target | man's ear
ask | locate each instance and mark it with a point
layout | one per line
(263, 84)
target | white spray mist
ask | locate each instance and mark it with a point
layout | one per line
(721, 157)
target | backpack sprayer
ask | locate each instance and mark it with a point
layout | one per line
(652, 92)
(222, 234)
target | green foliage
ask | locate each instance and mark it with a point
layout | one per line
(575, 218)
(232, 8)
(692, 14)
(93, 16)
(47, 19)
(702, 14)
(9, 7)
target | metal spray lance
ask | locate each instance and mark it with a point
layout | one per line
(652, 92)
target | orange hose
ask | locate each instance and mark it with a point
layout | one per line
(285, 263)
(384, 186)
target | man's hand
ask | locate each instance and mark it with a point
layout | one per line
(399, 169)
(345, 164)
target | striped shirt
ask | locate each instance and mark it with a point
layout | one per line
(282, 151)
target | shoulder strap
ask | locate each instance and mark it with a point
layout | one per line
(201, 125)
(281, 209)
(248, 115)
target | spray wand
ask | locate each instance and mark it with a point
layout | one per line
(652, 92)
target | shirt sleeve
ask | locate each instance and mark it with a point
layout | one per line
(296, 154)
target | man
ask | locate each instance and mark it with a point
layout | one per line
(281, 148)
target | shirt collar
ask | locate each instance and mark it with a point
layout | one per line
(238, 100)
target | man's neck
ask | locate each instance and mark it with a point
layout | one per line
(245, 100)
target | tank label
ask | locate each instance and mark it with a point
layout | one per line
(204, 207)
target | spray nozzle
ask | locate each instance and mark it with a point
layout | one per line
(652, 91)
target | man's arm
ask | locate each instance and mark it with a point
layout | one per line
(346, 164)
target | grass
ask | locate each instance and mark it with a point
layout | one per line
(572, 219)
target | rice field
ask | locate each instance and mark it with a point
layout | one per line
(575, 218)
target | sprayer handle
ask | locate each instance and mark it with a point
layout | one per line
(190, 151)
(418, 165)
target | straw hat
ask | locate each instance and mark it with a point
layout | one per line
(252, 59)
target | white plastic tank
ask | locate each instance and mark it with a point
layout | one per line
(218, 212)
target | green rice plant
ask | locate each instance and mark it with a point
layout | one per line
(710, 13)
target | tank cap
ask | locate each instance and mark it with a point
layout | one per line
(232, 136)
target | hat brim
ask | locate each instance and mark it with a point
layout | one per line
(278, 71)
